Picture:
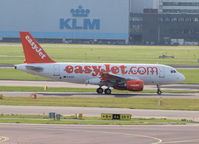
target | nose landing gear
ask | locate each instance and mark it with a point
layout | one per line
(159, 92)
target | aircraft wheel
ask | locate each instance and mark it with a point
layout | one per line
(159, 92)
(99, 91)
(107, 91)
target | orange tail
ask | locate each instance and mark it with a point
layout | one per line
(32, 50)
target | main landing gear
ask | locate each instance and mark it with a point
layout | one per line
(100, 91)
(159, 92)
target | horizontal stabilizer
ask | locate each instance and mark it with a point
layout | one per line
(33, 68)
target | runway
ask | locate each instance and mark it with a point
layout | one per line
(96, 112)
(94, 95)
(72, 85)
(79, 134)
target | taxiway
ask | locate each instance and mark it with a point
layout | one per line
(86, 134)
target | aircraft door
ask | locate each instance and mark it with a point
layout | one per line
(162, 73)
(56, 70)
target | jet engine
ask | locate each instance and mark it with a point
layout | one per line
(130, 85)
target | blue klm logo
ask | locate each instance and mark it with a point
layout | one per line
(80, 15)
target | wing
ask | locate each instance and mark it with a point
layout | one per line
(109, 77)
(112, 79)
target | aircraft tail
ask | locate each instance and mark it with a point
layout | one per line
(32, 50)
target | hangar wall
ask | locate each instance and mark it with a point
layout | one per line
(138, 6)
(72, 19)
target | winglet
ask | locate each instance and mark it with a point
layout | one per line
(32, 50)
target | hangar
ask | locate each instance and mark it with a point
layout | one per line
(142, 22)
(79, 20)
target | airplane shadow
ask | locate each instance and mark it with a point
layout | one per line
(121, 95)
(86, 95)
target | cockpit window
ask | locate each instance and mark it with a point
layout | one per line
(173, 71)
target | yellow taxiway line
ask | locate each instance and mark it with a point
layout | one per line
(3, 139)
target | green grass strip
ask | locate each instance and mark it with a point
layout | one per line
(43, 119)
(12, 74)
(191, 75)
(132, 103)
(184, 55)
(82, 122)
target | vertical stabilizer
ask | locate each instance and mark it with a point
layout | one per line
(32, 50)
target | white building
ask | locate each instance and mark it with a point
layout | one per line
(66, 19)
(138, 6)
(89, 20)
(179, 6)
(165, 6)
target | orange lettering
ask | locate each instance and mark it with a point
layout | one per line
(123, 69)
(87, 69)
(131, 70)
(107, 67)
(96, 70)
(140, 70)
(152, 68)
(115, 70)
(78, 69)
(69, 69)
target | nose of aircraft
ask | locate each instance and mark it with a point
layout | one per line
(181, 77)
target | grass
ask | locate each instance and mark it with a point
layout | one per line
(191, 75)
(132, 103)
(41, 89)
(84, 122)
(55, 89)
(184, 55)
(12, 74)
(43, 119)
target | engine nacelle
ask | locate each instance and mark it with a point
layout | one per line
(130, 85)
(134, 85)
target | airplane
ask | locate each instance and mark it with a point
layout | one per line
(131, 77)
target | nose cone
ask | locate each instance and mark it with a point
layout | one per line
(181, 77)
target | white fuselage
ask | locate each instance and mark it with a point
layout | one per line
(89, 73)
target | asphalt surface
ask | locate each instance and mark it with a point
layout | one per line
(72, 85)
(94, 95)
(79, 134)
(6, 65)
(96, 112)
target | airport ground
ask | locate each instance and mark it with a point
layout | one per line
(86, 134)
(96, 112)
(183, 55)
(57, 84)
(170, 114)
